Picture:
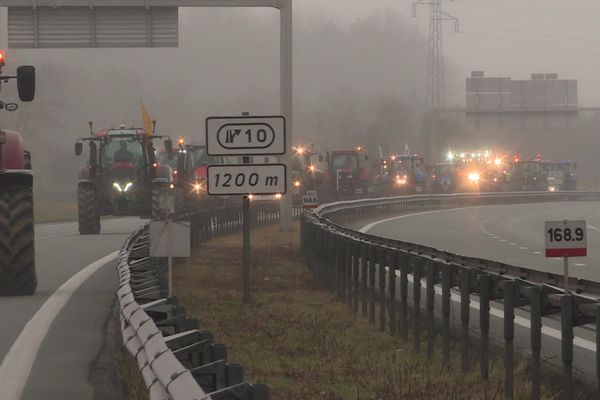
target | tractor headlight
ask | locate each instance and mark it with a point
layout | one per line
(297, 184)
(473, 177)
(122, 188)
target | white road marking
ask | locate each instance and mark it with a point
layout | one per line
(368, 227)
(17, 364)
(512, 244)
(503, 240)
(592, 227)
(524, 248)
(579, 265)
(537, 253)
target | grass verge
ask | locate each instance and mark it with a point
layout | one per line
(301, 342)
(54, 211)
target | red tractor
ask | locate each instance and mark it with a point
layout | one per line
(17, 264)
(348, 175)
(190, 167)
(122, 176)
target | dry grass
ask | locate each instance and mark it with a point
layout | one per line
(303, 344)
(54, 211)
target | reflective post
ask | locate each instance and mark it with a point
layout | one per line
(363, 277)
(355, 277)
(372, 261)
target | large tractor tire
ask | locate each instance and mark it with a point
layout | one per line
(89, 219)
(17, 262)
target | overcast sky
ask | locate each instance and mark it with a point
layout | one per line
(502, 37)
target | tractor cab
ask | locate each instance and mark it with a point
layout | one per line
(346, 174)
(444, 177)
(405, 173)
(121, 175)
(561, 175)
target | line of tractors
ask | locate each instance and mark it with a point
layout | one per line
(352, 173)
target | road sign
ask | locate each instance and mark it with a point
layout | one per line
(244, 179)
(310, 200)
(256, 135)
(566, 238)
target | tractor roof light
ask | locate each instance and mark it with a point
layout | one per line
(2, 58)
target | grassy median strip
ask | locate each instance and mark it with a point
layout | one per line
(304, 344)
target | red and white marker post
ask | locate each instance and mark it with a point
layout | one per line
(566, 239)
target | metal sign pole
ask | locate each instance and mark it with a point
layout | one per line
(566, 262)
(285, 12)
(247, 272)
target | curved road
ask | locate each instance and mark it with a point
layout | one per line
(69, 338)
(512, 234)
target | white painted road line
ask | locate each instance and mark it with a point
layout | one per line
(16, 366)
(524, 248)
(512, 244)
(537, 253)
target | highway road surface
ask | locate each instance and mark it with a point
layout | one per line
(512, 234)
(49, 342)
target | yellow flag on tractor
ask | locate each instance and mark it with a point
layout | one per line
(148, 124)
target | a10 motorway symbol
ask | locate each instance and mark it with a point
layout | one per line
(260, 135)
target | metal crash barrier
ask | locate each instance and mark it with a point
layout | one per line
(177, 359)
(385, 280)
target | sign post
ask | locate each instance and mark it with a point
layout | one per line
(246, 136)
(566, 239)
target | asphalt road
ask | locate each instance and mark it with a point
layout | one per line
(69, 341)
(512, 234)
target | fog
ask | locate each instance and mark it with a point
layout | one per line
(359, 78)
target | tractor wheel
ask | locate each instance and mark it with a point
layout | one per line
(17, 264)
(158, 191)
(89, 219)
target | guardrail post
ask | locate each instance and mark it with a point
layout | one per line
(431, 279)
(364, 248)
(391, 262)
(404, 260)
(372, 267)
(355, 277)
(598, 346)
(331, 265)
(348, 272)
(566, 323)
(341, 259)
(465, 312)
(484, 323)
(509, 334)
(417, 302)
(446, 283)
(536, 340)
(381, 270)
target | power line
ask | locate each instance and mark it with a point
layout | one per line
(436, 85)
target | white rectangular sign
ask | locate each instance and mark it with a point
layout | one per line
(566, 238)
(160, 242)
(246, 179)
(310, 200)
(259, 135)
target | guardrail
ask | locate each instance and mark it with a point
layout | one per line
(367, 271)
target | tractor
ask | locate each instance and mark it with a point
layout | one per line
(122, 176)
(190, 167)
(17, 262)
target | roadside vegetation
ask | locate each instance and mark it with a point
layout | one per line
(54, 211)
(304, 344)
